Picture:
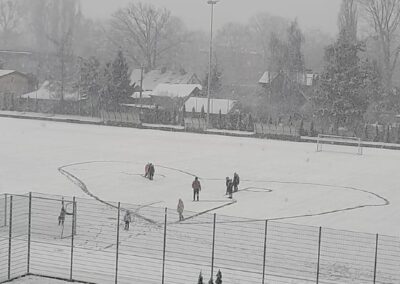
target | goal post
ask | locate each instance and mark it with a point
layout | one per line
(339, 140)
(68, 225)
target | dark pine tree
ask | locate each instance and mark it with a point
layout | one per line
(89, 83)
(342, 95)
(250, 123)
(312, 129)
(376, 139)
(183, 114)
(301, 128)
(216, 77)
(220, 119)
(121, 83)
(398, 134)
(387, 136)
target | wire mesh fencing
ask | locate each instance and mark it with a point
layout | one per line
(86, 240)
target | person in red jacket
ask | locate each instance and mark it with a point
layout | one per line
(196, 188)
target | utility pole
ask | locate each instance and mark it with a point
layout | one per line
(212, 3)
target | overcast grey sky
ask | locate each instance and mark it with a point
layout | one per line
(311, 14)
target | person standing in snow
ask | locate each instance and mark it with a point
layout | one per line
(196, 188)
(236, 181)
(127, 220)
(180, 208)
(229, 188)
(151, 171)
(61, 217)
(226, 184)
(146, 170)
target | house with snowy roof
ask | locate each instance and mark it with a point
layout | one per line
(14, 82)
(288, 93)
(217, 106)
(153, 78)
(12, 85)
(166, 89)
(47, 92)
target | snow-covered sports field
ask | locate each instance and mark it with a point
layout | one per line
(279, 180)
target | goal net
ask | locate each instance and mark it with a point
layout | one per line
(324, 139)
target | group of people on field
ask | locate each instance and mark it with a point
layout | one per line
(232, 185)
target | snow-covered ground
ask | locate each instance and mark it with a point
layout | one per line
(278, 179)
(282, 181)
(38, 280)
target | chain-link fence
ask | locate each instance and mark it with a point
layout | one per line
(91, 244)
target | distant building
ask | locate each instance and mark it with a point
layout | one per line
(224, 106)
(153, 78)
(14, 83)
(163, 88)
(287, 94)
(47, 93)
(304, 79)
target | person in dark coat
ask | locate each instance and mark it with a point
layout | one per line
(196, 188)
(61, 217)
(146, 170)
(229, 188)
(236, 181)
(151, 171)
(226, 184)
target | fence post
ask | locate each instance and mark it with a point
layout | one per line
(72, 238)
(29, 232)
(319, 253)
(265, 249)
(9, 238)
(213, 246)
(165, 245)
(5, 211)
(117, 250)
(376, 257)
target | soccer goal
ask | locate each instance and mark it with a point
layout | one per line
(339, 140)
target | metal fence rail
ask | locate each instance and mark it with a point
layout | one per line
(93, 246)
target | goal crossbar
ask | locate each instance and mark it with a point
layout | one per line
(339, 140)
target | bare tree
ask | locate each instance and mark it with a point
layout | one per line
(348, 20)
(384, 17)
(9, 18)
(64, 18)
(263, 26)
(145, 32)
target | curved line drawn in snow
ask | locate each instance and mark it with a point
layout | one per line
(81, 184)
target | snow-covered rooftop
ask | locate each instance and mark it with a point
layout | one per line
(267, 77)
(153, 78)
(145, 94)
(6, 72)
(45, 93)
(216, 105)
(175, 90)
(301, 78)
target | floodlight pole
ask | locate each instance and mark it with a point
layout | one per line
(212, 3)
